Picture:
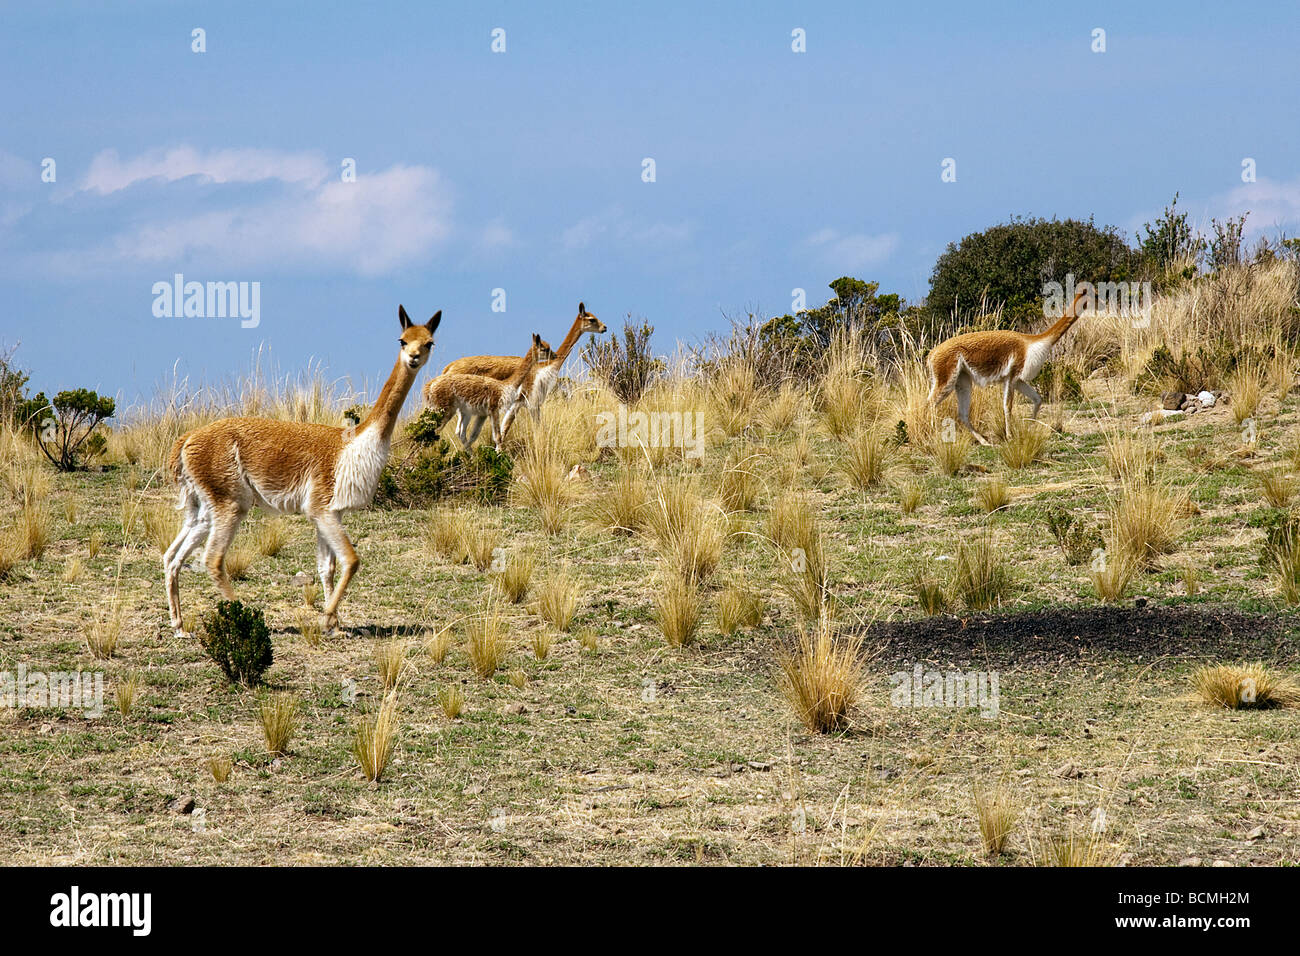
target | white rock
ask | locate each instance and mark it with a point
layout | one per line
(1206, 399)
(1165, 415)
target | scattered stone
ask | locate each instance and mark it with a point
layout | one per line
(1206, 399)
(760, 766)
(300, 579)
(1190, 861)
(1164, 415)
(578, 472)
(1256, 834)
(474, 789)
(515, 708)
(1173, 400)
(182, 805)
(1220, 863)
(1069, 772)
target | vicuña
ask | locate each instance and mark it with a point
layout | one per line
(1008, 359)
(478, 398)
(225, 468)
(503, 367)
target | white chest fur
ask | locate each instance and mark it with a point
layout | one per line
(356, 476)
(1036, 356)
(543, 383)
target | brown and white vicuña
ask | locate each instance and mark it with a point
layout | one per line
(227, 467)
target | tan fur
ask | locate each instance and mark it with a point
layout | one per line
(229, 466)
(478, 398)
(503, 367)
(1010, 360)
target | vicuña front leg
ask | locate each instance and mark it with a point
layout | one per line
(330, 527)
(963, 408)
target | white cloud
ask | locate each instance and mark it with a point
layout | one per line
(1271, 204)
(850, 252)
(312, 221)
(109, 173)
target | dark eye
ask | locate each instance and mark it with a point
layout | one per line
(401, 343)
(428, 345)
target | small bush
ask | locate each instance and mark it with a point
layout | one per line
(627, 366)
(236, 637)
(1074, 536)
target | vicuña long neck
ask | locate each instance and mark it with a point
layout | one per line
(523, 377)
(389, 404)
(570, 340)
(1061, 325)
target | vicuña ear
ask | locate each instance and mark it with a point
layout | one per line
(403, 317)
(582, 309)
(432, 324)
(537, 341)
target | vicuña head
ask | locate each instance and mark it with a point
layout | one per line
(1010, 360)
(225, 468)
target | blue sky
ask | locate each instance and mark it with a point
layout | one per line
(522, 170)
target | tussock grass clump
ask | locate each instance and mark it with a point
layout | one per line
(738, 607)
(1246, 384)
(738, 484)
(516, 576)
(911, 495)
(72, 569)
(930, 593)
(517, 677)
(689, 532)
(866, 458)
(1112, 573)
(1278, 488)
(220, 767)
(992, 495)
(34, 526)
(390, 660)
(998, 812)
(782, 411)
(1146, 520)
(541, 643)
(1245, 687)
(451, 701)
(159, 523)
(1026, 445)
(589, 640)
(950, 455)
(821, 676)
(1131, 457)
(278, 715)
(620, 506)
(309, 626)
(840, 401)
(125, 691)
(790, 523)
(1073, 849)
(732, 396)
(94, 541)
(238, 560)
(103, 634)
(677, 610)
(10, 552)
(557, 600)
(480, 545)
(442, 535)
(271, 536)
(1191, 578)
(981, 577)
(540, 483)
(437, 646)
(485, 642)
(376, 737)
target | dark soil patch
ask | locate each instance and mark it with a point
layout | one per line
(1089, 635)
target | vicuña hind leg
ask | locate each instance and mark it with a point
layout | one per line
(1031, 393)
(1008, 399)
(192, 533)
(325, 565)
(963, 389)
(225, 522)
(330, 527)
